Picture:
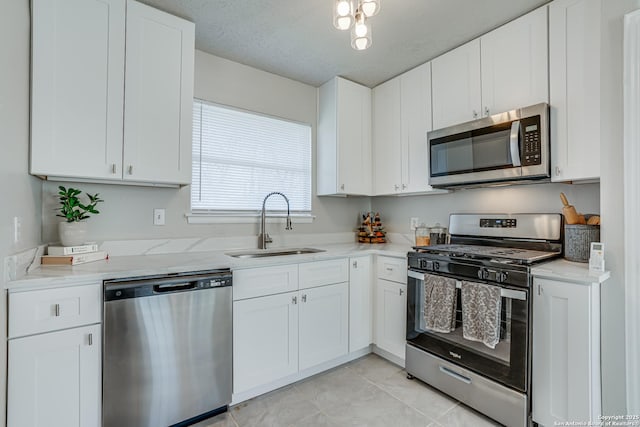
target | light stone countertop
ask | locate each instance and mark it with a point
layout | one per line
(564, 270)
(117, 267)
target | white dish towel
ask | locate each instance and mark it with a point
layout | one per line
(481, 306)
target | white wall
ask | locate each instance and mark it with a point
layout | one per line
(20, 194)
(538, 198)
(128, 211)
(611, 185)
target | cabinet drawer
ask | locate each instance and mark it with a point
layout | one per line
(33, 312)
(394, 269)
(257, 282)
(322, 273)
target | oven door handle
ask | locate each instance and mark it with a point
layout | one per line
(514, 139)
(455, 375)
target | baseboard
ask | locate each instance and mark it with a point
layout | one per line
(389, 356)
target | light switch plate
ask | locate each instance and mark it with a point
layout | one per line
(158, 217)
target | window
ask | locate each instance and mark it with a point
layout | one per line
(239, 157)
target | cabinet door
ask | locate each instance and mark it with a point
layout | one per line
(354, 138)
(456, 85)
(55, 379)
(564, 381)
(387, 175)
(574, 72)
(158, 96)
(265, 340)
(77, 88)
(324, 324)
(360, 292)
(515, 65)
(415, 97)
(391, 317)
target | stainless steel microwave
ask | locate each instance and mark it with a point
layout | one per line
(511, 147)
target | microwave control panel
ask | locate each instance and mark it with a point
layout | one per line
(531, 145)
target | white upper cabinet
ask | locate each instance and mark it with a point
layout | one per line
(574, 73)
(514, 64)
(456, 85)
(77, 87)
(79, 105)
(158, 96)
(402, 118)
(500, 71)
(387, 172)
(344, 139)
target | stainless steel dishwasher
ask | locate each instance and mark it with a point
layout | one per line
(167, 349)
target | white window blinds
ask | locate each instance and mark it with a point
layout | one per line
(240, 157)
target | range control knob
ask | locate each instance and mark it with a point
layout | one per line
(501, 276)
(436, 266)
(483, 274)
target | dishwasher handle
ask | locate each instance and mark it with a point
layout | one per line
(174, 287)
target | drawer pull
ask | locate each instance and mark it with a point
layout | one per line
(389, 268)
(401, 292)
(294, 300)
(304, 297)
(455, 375)
(90, 339)
(57, 310)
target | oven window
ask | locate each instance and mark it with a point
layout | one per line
(502, 351)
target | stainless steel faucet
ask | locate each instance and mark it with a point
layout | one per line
(263, 237)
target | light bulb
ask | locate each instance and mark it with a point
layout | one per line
(343, 14)
(370, 7)
(361, 33)
(343, 8)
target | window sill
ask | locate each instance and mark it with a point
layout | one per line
(193, 218)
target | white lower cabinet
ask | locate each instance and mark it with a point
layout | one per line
(391, 317)
(54, 379)
(566, 352)
(265, 340)
(323, 324)
(360, 303)
(277, 334)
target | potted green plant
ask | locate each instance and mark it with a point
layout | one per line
(73, 231)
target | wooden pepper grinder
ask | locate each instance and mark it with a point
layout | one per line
(569, 212)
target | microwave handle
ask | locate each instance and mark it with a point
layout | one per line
(514, 139)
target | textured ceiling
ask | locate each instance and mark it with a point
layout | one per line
(296, 39)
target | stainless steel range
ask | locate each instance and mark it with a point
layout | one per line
(469, 305)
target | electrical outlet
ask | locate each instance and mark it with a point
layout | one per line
(414, 223)
(158, 217)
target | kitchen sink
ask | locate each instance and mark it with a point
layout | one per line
(261, 253)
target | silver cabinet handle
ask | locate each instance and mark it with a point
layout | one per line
(401, 292)
(475, 114)
(294, 300)
(342, 187)
(130, 169)
(389, 268)
(558, 171)
(514, 143)
(57, 310)
(114, 168)
(355, 264)
(304, 297)
(397, 187)
(404, 186)
(487, 112)
(90, 339)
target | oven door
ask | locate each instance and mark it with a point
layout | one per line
(503, 147)
(507, 363)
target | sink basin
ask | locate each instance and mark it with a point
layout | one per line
(261, 253)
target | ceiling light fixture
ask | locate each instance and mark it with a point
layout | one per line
(354, 15)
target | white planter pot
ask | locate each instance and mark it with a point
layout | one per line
(72, 233)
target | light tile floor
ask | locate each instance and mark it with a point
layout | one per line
(369, 391)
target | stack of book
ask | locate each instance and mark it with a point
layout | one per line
(73, 255)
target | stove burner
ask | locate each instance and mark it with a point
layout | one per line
(491, 253)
